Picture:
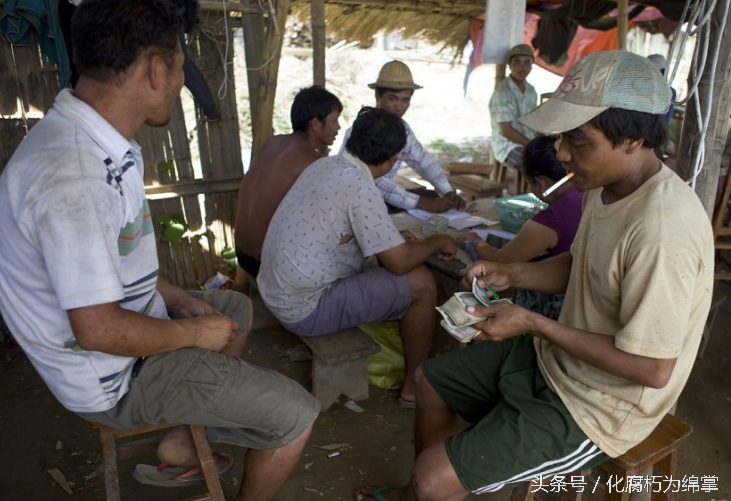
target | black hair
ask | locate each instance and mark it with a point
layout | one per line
(539, 159)
(312, 102)
(380, 91)
(376, 136)
(109, 36)
(619, 125)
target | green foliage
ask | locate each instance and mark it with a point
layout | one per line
(164, 167)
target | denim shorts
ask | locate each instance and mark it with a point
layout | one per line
(375, 295)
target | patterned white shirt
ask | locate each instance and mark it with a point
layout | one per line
(328, 223)
(418, 159)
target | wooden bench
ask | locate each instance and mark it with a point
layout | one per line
(474, 186)
(339, 365)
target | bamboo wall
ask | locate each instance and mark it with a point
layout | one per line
(208, 202)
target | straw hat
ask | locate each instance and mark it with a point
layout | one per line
(395, 75)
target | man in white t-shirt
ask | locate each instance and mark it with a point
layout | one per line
(79, 277)
(394, 89)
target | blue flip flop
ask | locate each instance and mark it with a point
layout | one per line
(376, 493)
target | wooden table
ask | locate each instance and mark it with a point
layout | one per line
(455, 269)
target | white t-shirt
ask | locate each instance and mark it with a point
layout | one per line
(76, 232)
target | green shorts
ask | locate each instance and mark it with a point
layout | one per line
(519, 428)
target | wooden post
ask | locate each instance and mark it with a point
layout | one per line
(499, 73)
(262, 125)
(317, 14)
(253, 27)
(715, 140)
(622, 24)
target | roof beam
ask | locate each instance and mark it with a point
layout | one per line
(457, 7)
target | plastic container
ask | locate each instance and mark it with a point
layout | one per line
(516, 210)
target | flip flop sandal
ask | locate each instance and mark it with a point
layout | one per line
(377, 493)
(406, 404)
(178, 476)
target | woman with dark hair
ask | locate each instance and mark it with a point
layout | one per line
(548, 233)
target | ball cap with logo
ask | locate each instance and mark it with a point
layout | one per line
(597, 82)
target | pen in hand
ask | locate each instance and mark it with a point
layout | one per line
(491, 293)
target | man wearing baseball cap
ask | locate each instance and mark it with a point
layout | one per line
(510, 100)
(546, 397)
(394, 88)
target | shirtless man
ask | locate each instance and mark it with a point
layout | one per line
(314, 115)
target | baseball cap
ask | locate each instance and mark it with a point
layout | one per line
(522, 49)
(395, 75)
(597, 82)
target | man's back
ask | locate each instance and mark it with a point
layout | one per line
(280, 162)
(332, 217)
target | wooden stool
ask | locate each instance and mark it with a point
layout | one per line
(659, 451)
(474, 186)
(113, 451)
(520, 186)
(340, 365)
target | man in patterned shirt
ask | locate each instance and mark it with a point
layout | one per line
(79, 277)
(394, 89)
(311, 275)
(512, 99)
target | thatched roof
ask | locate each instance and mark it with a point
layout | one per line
(446, 22)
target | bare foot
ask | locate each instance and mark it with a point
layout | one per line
(177, 447)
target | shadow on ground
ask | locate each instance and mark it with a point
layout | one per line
(38, 435)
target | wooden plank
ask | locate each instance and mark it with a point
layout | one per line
(262, 125)
(715, 140)
(253, 28)
(349, 344)
(8, 80)
(12, 132)
(220, 146)
(317, 21)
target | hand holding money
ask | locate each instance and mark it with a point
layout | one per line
(457, 321)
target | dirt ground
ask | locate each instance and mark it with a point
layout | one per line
(38, 435)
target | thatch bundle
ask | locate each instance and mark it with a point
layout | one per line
(441, 23)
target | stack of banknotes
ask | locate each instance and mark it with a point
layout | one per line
(457, 321)
(434, 224)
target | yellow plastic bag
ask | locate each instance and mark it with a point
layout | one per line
(385, 368)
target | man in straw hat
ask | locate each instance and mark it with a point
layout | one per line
(394, 88)
(510, 100)
(546, 397)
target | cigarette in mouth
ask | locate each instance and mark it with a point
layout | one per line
(558, 184)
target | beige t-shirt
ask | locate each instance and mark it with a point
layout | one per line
(642, 272)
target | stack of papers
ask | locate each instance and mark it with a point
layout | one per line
(457, 219)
